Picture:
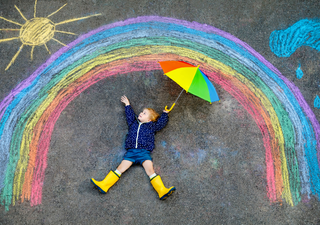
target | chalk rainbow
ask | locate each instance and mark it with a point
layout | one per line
(28, 114)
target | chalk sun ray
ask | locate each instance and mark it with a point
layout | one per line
(9, 39)
(59, 42)
(14, 57)
(10, 29)
(21, 13)
(65, 32)
(47, 48)
(57, 10)
(35, 9)
(76, 19)
(10, 21)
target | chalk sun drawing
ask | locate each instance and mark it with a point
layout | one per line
(289, 128)
(37, 31)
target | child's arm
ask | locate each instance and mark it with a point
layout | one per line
(130, 115)
(162, 121)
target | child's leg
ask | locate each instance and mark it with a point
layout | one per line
(148, 167)
(156, 181)
(124, 165)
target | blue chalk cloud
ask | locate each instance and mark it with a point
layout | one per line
(303, 33)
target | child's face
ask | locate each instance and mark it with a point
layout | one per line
(144, 116)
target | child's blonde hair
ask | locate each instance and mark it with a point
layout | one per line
(154, 116)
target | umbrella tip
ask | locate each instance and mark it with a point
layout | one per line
(198, 66)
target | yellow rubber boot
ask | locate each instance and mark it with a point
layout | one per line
(163, 192)
(108, 182)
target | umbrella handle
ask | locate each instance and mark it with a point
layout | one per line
(170, 108)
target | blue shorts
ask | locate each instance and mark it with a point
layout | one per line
(137, 156)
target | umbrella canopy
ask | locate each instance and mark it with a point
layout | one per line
(191, 79)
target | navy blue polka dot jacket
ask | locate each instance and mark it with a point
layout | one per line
(141, 135)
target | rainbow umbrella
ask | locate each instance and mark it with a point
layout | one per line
(191, 79)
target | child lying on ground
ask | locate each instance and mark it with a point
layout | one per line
(139, 145)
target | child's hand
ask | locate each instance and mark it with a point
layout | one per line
(165, 111)
(125, 100)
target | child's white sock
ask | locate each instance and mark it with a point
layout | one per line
(152, 176)
(118, 172)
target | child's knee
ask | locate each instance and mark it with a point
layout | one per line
(147, 163)
(148, 166)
